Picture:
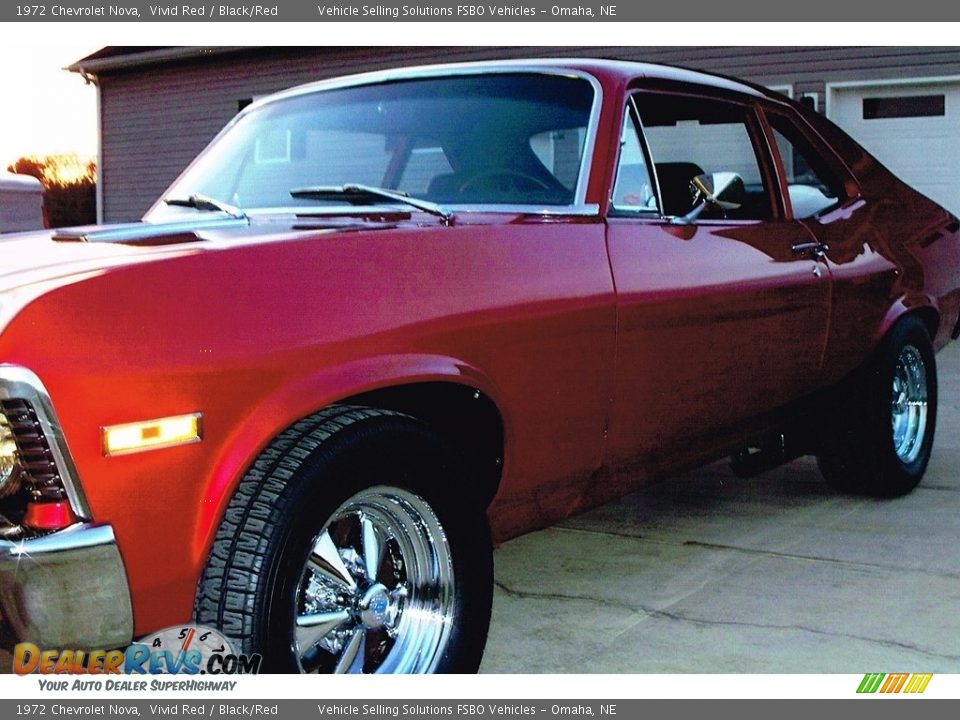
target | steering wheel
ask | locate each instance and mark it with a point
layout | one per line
(502, 180)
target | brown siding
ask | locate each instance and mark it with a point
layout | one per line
(154, 119)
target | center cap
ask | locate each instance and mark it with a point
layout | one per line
(374, 606)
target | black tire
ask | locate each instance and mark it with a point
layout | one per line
(861, 451)
(335, 475)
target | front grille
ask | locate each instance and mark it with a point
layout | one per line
(36, 460)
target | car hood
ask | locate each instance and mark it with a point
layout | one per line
(33, 263)
(57, 256)
(32, 258)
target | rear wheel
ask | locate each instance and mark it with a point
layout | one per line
(880, 440)
(344, 549)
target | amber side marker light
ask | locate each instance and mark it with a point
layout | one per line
(152, 434)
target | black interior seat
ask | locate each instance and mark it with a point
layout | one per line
(674, 178)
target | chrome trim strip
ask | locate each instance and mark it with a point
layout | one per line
(652, 71)
(68, 589)
(306, 212)
(585, 209)
(74, 537)
(18, 383)
(647, 153)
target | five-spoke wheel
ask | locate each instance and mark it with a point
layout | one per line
(876, 440)
(350, 546)
(377, 592)
(909, 405)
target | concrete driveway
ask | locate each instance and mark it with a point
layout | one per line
(776, 574)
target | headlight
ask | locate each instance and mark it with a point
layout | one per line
(39, 488)
(9, 460)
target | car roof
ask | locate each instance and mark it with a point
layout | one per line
(605, 72)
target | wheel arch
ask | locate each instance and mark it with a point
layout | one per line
(920, 306)
(463, 415)
(452, 397)
(865, 448)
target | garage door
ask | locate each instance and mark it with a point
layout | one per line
(913, 129)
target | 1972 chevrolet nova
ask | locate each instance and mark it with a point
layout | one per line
(383, 319)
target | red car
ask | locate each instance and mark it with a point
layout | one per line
(384, 318)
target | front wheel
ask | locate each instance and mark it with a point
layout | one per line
(377, 591)
(346, 549)
(880, 440)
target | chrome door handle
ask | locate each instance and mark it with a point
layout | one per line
(817, 249)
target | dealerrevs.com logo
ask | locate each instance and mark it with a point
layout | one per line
(893, 683)
(180, 650)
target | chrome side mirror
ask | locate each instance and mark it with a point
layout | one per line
(723, 190)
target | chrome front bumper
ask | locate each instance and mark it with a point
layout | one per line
(66, 590)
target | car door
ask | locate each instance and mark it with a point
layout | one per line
(721, 316)
(825, 198)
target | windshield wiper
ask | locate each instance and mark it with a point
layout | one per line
(364, 194)
(203, 202)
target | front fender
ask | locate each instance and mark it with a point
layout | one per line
(302, 396)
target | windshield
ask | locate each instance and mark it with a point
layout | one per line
(511, 138)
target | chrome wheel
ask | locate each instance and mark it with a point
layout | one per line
(909, 404)
(377, 591)
(877, 438)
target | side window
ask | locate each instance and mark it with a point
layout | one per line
(812, 185)
(690, 136)
(633, 188)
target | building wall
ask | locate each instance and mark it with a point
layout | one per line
(155, 119)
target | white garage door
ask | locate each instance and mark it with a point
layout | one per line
(913, 129)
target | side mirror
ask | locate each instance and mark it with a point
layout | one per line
(723, 190)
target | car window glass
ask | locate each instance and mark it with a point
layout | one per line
(310, 156)
(560, 152)
(423, 165)
(633, 188)
(811, 185)
(690, 136)
(503, 138)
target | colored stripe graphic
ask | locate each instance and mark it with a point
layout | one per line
(919, 683)
(893, 683)
(870, 682)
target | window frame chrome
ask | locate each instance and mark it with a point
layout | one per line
(631, 111)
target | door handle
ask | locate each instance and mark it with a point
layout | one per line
(817, 249)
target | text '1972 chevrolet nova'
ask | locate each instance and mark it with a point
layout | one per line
(384, 320)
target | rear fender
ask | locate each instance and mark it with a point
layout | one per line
(925, 306)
